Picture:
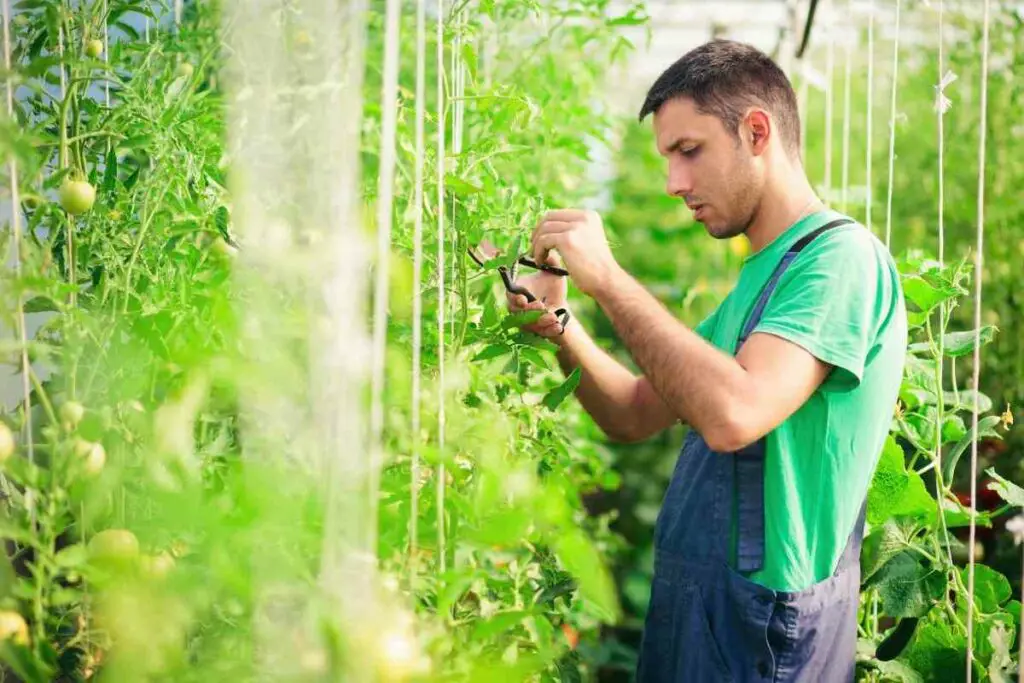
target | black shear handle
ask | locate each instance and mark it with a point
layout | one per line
(554, 270)
(513, 288)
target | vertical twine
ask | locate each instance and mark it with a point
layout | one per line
(385, 201)
(892, 125)
(976, 384)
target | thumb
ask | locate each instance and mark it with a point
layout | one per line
(553, 259)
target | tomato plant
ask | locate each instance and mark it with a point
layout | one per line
(142, 538)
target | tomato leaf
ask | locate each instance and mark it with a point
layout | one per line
(492, 351)
(957, 344)
(908, 588)
(936, 650)
(23, 664)
(884, 543)
(895, 491)
(581, 559)
(899, 672)
(986, 427)
(72, 556)
(533, 356)
(555, 397)
(501, 622)
(110, 172)
(991, 589)
(1007, 490)
(925, 295)
(521, 319)
(41, 304)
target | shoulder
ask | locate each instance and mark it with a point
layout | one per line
(851, 240)
(849, 251)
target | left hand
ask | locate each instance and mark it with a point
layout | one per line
(578, 236)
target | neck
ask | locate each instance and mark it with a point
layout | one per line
(786, 199)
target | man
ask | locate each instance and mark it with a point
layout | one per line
(788, 387)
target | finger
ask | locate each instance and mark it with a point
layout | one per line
(549, 224)
(546, 330)
(546, 320)
(544, 244)
(549, 228)
(566, 215)
(554, 259)
(555, 227)
(516, 302)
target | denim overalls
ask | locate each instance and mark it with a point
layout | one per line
(706, 622)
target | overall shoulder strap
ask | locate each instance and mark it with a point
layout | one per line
(749, 462)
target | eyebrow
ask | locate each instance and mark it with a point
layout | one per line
(677, 144)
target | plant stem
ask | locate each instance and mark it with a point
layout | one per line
(463, 293)
(940, 486)
(146, 220)
(47, 406)
(1020, 631)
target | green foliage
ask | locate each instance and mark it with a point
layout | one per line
(142, 295)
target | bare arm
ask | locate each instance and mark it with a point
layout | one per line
(625, 406)
(730, 401)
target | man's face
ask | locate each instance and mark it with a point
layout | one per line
(717, 177)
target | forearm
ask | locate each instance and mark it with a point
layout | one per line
(700, 384)
(623, 405)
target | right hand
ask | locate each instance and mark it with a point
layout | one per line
(551, 292)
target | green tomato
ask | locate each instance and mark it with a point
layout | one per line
(6, 442)
(94, 48)
(184, 69)
(13, 627)
(93, 456)
(77, 196)
(157, 566)
(71, 413)
(114, 546)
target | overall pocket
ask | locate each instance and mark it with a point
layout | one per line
(678, 642)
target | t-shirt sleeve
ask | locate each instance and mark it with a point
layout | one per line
(832, 300)
(706, 327)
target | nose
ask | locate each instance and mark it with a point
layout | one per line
(680, 180)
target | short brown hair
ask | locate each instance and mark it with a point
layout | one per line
(723, 78)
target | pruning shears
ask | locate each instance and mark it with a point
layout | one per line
(508, 275)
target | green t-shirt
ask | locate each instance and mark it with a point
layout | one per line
(841, 300)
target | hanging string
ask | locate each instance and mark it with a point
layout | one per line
(458, 111)
(830, 68)
(978, 262)
(846, 120)
(871, 109)
(441, 299)
(892, 124)
(106, 59)
(417, 276)
(12, 170)
(941, 106)
(177, 13)
(70, 232)
(385, 200)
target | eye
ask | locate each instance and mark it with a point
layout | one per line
(690, 152)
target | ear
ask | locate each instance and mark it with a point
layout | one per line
(757, 127)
